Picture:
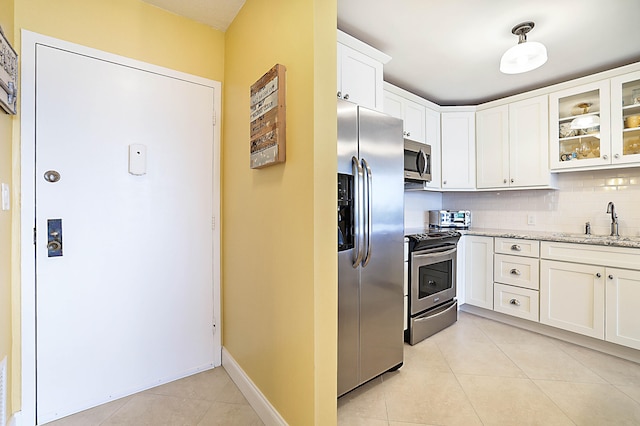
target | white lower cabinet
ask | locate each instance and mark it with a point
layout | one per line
(572, 297)
(478, 274)
(623, 307)
(516, 301)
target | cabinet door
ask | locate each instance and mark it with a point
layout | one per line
(432, 133)
(572, 297)
(623, 307)
(577, 148)
(360, 79)
(625, 118)
(414, 121)
(492, 147)
(411, 113)
(458, 150)
(529, 142)
(393, 105)
(478, 273)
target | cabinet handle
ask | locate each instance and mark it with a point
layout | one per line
(514, 302)
(504, 181)
(431, 282)
(512, 180)
(616, 156)
(516, 247)
(610, 277)
(444, 182)
(408, 133)
(340, 95)
(605, 157)
(598, 275)
(346, 96)
(514, 271)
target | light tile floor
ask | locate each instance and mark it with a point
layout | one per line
(482, 372)
(205, 399)
(476, 372)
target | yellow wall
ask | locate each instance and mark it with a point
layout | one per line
(129, 28)
(279, 263)
(6, 122)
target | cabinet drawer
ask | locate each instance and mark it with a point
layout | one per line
(529, 248)
(519, 302)
(590, 254)
(516, 270)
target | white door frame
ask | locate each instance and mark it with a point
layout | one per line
(27, 201)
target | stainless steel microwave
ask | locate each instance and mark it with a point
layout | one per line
(417, 161)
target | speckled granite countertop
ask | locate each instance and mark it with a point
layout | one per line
(601, 240)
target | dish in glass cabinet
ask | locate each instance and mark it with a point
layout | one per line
(566, 131)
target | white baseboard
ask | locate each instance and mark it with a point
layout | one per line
(261, 405)
(14, 420)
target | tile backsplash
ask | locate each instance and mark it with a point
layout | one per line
(582, 197)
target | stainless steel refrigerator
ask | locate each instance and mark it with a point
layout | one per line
(370, 244)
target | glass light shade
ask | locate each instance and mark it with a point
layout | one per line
(585, 122)
(523, 57)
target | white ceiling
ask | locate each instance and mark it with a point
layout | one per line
(215, 13)
(448, 51)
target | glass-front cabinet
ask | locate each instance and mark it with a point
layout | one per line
(580, 126)
(625, 118)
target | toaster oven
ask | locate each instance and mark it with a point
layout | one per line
(449, 219)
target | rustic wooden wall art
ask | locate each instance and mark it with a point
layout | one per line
(268, 119)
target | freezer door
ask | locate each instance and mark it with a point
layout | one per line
(348, 276)
(381, 151)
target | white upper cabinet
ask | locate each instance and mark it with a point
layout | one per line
(513, 145)
(458, 146)
(492, 147)
(411, 113)
(360, 72)
(529, 143)
(625, 118)
(579, 148)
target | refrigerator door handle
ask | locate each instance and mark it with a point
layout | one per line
(358, 177)
(369, 199)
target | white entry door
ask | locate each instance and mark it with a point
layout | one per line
(129, 302)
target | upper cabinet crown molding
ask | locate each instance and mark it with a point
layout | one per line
(355, 44)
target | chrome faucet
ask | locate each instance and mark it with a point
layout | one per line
(611, 208)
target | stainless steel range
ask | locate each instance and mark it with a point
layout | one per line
(432, 283)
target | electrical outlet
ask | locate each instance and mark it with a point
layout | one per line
(531, 219)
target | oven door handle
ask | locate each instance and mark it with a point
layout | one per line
(357, 215)
(433, 253)
(368, 179)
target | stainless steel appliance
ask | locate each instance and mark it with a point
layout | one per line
(370, 245)
(417, 162)
(449, 219)
(432, 283)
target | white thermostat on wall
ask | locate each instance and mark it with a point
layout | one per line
(137, 159)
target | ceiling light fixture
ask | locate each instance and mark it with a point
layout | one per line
(524, 56)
